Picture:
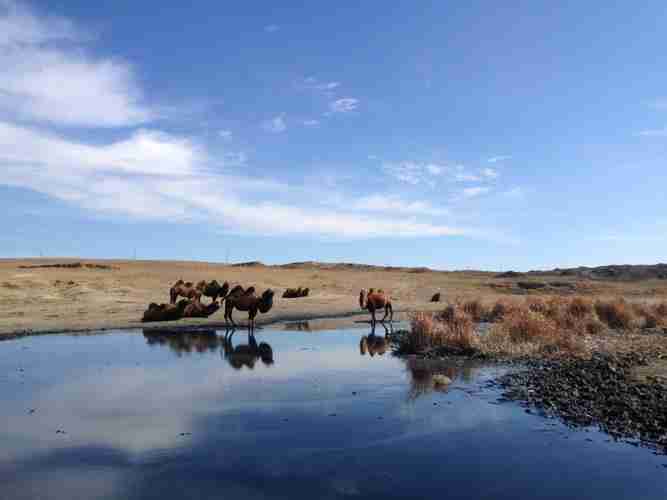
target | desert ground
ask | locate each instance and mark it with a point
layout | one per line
(103, 294)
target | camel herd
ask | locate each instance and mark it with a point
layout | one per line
(243, 299)
(191, 305)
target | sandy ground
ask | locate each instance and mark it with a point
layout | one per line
(64, 299)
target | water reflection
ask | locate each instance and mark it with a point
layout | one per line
(299, 326)
(200, 341)
(373, 344)
(246, 354)
(428, 375)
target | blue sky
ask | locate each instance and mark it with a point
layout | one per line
(439, 134)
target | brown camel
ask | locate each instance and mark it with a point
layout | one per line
(293, 293)
(165, 312)
(248, 301)
(246, 354)
(213, 289)
(184, 289)
(375, 301)
(198, 310)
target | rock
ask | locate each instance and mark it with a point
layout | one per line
(440, 380)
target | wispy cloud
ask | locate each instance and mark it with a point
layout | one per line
(312, 83)
(473, 192)
(225, 134)
(409, 172)
(42, 81)
(490, 173)
(344, 105)
(275, 125)
(661, 132)
(394, 204)
(496, 159)
(271, 28)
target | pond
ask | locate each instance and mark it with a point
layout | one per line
(295, 414)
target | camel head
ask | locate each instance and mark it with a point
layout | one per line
(266, 301)
(362, 299)
(265, 353)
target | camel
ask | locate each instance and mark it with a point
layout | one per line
(198, 310)
(374, 301)
(248, 301)
(246, 354)
(213, 289)
(183, 289)
(165, 312)
(293, 293)
(436, 297)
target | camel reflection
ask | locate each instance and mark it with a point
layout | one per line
(183, 342)
(428, 375)
(245, 354)
(373, 344)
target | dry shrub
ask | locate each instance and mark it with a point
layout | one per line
(648, 315)
(523, 325)
(580, 307)
(452, 328)
(661, 310)
(617, 314)
(476, 310)
(593, 326)
(537, 305)
(500, 309)
(525, 332)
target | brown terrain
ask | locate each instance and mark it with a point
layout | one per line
(47, 295)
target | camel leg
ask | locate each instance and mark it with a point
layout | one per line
(231, 320)
(373, 320)
(386, 311)
(389, 308)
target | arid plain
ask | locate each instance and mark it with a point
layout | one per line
(104, 294)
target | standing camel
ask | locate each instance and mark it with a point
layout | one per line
(248, 301)
(213, 289)
(375, 301)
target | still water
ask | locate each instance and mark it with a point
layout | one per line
(295, 414)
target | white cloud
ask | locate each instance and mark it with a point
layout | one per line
(464, 177)
(472, 192)
(662, 132)
(271, 28)
(158, 176)
(490, 173)
(275, 125)
(408, 172)
(496, 159)
(42, 81)
(226, 134)
(311, 123)
(344, 105)
(434, 169)
(392, 204)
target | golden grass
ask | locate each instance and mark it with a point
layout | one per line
(453, 328)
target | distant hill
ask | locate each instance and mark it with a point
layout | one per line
(624, 272)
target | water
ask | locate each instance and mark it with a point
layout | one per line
(131, 415)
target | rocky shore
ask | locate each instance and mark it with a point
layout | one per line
(598, 391)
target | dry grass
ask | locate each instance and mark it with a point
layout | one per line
(476, 310)
(453, 328)
(617, 314)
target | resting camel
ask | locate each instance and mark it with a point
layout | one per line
(165, 312)
(198, 310)
(183, 289)
(436, 297)
(248, 301)
(293, 293)
(213, 289)
(246, 354)
(374, 301)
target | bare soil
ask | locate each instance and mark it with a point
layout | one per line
(104, 294)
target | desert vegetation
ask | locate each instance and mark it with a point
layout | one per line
(542, 326)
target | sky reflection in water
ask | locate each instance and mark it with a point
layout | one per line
(295, 414)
